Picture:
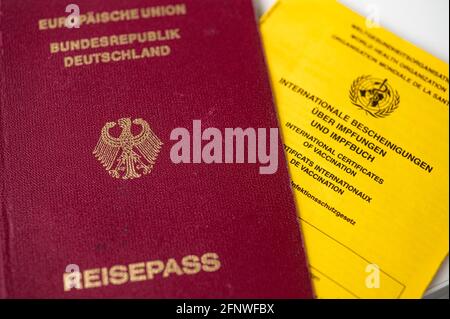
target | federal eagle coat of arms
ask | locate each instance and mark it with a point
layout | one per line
(128, 156)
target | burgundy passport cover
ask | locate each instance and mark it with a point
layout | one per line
(70, 229)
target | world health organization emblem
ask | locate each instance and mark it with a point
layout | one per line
(375, 96)
(128, 156)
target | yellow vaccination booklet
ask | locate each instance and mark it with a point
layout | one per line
(365, 123)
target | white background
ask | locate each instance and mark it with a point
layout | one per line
(422, 22)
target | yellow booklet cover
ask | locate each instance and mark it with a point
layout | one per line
(365, 122)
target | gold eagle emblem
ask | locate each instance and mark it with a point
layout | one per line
(128, 156)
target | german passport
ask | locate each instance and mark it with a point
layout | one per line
(140, 155)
